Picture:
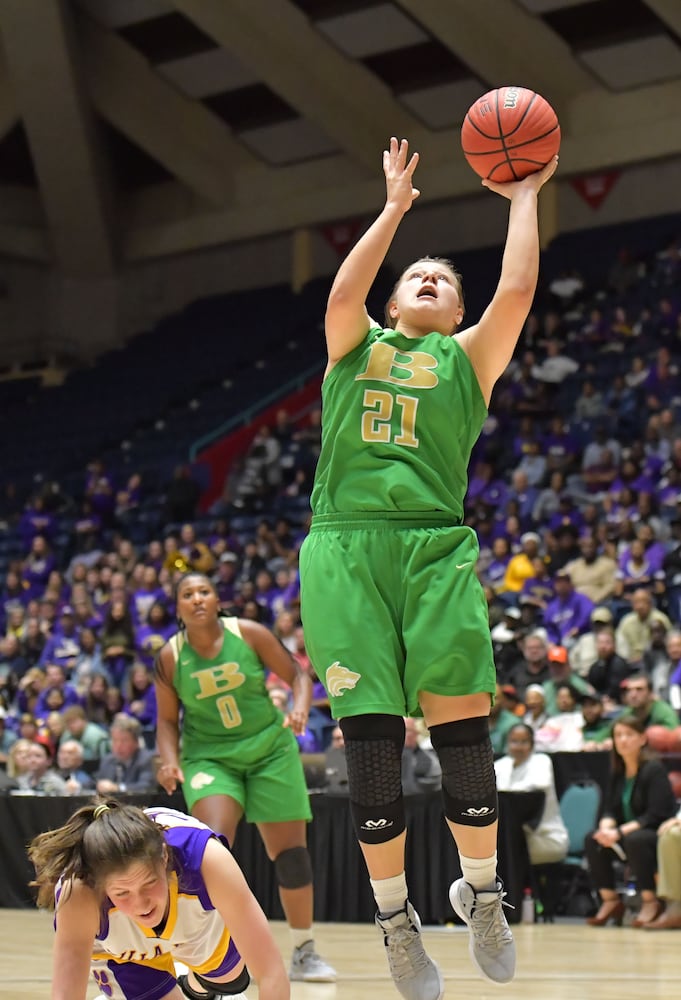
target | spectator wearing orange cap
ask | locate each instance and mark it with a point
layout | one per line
(560, 674)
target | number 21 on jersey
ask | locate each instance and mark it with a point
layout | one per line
(413, 371)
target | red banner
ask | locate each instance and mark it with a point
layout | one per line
(341, 235)
(595, 188)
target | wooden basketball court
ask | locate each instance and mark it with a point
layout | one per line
(558, 961)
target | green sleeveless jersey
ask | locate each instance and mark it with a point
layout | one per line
(400, 418)
(226, 708)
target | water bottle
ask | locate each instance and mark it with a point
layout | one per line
(527, 911)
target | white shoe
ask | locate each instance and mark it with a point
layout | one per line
(491, 942)
(309, 967)
(415, 975)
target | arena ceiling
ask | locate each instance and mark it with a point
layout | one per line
(134, 129)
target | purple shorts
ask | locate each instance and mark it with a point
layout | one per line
(134, 981)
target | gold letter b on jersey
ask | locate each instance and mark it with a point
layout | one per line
(414, 370)
(217, 680)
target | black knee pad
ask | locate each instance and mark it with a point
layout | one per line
(214, 990)
(373, 751)
(293, 868)
(469, 787)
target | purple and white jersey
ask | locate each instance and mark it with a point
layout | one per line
(129, 960)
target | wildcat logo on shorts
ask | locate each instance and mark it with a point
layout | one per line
(482, 811)
(339, 679)
(201, 780)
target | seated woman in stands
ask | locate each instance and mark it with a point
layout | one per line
(639, 799)
(523, 770)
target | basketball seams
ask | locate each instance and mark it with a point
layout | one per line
(502, 137)
(527, 133)
(484, 135)
(515, 145)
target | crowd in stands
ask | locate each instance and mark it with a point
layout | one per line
(575, 496)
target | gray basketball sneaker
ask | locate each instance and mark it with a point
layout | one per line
(415, 975)
(491, 942)
(309, 967)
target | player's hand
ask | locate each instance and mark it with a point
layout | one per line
(399, 175)
(168, 777)
(296, 720)
(533, 182)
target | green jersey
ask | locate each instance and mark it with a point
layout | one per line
(401, 417)
(226, 708)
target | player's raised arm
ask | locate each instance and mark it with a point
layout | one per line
(491, 342)
(347, 320)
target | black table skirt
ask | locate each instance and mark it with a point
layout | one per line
(342, 891)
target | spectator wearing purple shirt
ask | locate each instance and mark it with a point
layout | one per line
(631, 475)
(35, 520)
(653, 550)
(99, 490)
(568, 614)
(55, 679)
(525, 497)
(151, 592)
(225, 578)
(139, 694)
(87, 529)
(496, 568)
(560, 447)
(481, 482)
(265, 593)
(63, 646)
(286, 591)
(568, 514)
(150, 637)
(636, 571)
(538, 591)
(37, 567)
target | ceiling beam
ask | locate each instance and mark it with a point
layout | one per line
(308, 195)
(9, 114)
(43, 62)
(668, 11)
(190, 141)
(504, 44)
(338, 94)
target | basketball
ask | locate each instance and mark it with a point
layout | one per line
(509, 133)
(662, 739)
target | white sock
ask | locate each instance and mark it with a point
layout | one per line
(390, 893)
(481, 873)
(300, 935)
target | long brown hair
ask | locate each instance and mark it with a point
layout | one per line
(102, 838)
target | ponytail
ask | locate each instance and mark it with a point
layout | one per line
(102, 837)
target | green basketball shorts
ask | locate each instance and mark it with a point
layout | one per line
(392, 607)
(271, 790)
